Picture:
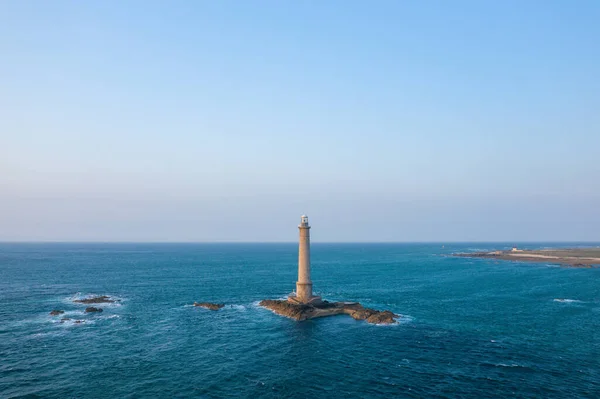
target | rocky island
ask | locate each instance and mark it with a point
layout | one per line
(303, 305)
(568, 257)
(324, 308)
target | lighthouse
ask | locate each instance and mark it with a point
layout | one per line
(304, 293)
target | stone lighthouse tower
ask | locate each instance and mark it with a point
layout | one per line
(304, 292)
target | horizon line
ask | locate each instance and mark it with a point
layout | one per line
(295, 242)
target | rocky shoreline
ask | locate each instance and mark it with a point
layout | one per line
(325, 308)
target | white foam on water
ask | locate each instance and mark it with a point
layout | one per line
(26, 322)
(237, 307)
(395, 324)
(68, 313)
(567, 300)
(508, 365)
(72, 323)
(48, 334)
(112, 316)
(256, 304)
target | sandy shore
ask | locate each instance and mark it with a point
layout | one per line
(571, 257)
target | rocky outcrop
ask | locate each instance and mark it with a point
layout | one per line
(292, 310)
(385, 317)
(96, 299)
(92, 309)
(208, 305)
(56, 312)
(325, 308)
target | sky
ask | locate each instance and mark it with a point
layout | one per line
(225, 121)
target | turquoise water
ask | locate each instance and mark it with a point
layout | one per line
(472, 328)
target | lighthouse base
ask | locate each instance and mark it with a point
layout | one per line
(304, 294)
(313, 300)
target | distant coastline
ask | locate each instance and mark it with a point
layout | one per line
(569, 257)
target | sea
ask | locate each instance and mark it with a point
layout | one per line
(470, 328)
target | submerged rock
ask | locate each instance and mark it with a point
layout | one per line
(56, 312)
(96, 299)
(325, 308)
(92, 309)
(208, 305)
(64, 319)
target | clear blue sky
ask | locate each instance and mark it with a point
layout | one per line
(226, 120)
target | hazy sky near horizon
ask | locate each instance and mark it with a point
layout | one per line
(227, 120)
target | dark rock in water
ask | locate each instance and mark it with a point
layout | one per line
(96, 299)
(56, 312)
(208, 305)
(385, 317)
(92, 309)
(325, 308)
(64, 319)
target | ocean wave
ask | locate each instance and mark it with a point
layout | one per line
(68, 313)
(506, 365)
(237, 307)
(567, 300)
(395, 324)
(73, 322)
(509, 365)
(112, 316)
